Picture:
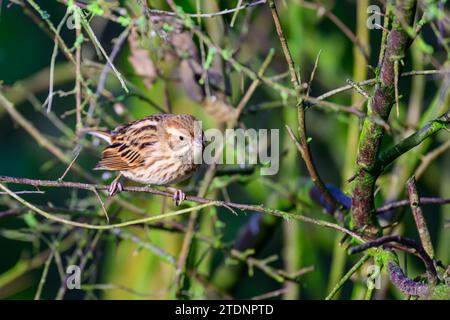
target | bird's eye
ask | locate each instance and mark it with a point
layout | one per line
(181, 138)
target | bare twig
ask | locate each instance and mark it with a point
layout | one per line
(347, 276)
(428, 158)
(256, 208)
(338, 22)
(418, 217)
(37, 296)
(405, 202)
(303, 144)
(209, 15)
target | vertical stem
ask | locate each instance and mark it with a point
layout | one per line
(347, 276)
(79, 124)
(380, 105)
(303, 144)
(421, 224)
(444, 237)
(44, 276)
(359, 74)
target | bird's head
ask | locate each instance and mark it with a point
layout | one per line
(184, 136)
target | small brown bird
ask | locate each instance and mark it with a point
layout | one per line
(159, 150)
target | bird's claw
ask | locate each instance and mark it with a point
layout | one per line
(178, 196)
(115, 188)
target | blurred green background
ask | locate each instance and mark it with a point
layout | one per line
(120, 268)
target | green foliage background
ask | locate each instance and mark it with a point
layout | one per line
(129, 268)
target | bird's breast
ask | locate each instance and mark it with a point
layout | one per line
(161, 172)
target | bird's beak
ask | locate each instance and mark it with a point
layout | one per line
(199, 143)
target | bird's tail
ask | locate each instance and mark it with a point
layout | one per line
(103, 134)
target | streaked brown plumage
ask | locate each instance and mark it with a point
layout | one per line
(156, 150)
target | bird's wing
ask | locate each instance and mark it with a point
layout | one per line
(130, 145)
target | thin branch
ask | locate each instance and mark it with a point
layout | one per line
(428, 158)
(271, 294)
(421, 224)
(303, 144)
(405, 202)
(103, 75)
(98, 45)
(429, 265)
(243, 102)
(256, 208)
(37, 296)
(338, 22)
(208, 15)
(389, 155)
(100, 227)
(347, 276)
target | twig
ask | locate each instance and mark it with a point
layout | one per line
(52, 62)
(26, 192)
(303, 145)
(405, 284)
(243, 102)
(100, 227)
(37, 135)
(405, 202)
(390, 154)
(101, 203)
(373, 81)
(428, 158)
(233, 19)
(358, 89)
(100, 47)
(102, 79)
(78, 45)
(70, 165)
(421, 224)
(338, 22)
(271, 294)
(429, 265)
(37, 296)
(347, 276)
(209, 15)
(256, 208)
(313, 73)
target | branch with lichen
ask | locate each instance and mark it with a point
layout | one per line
(435, 289)
(379, 105)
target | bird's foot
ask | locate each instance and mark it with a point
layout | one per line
(178, 195)
(115, 187)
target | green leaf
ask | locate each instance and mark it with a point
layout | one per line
(95, 9)
(30, 220)
(124, 21)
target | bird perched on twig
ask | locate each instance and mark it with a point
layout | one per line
(161, 149)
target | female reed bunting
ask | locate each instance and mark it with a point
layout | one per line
(158, 149)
